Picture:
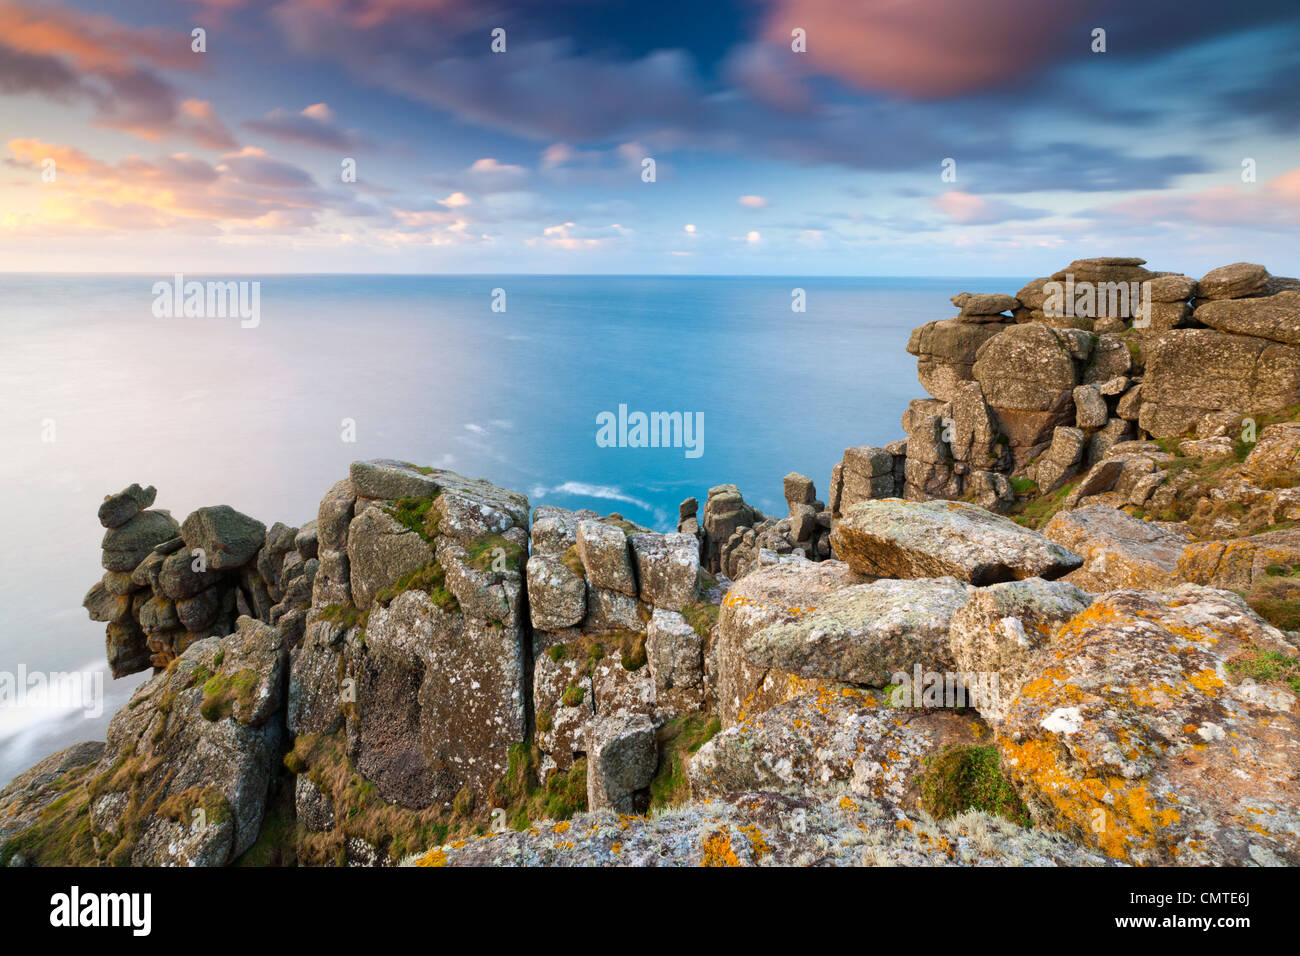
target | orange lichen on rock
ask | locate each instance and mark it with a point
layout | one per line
(718, 851)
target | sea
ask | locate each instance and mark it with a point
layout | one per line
(501, 377)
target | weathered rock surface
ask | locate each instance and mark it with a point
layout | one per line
(381, 551)
(995, 635)
(621, 760)
(1119, 551)
(667, 568)
(201, 735)
(946, 352)
(904, 539)
(603, 549)
(1139, 737)
(777, 594)
(1192, 372)
(819, 743)
(228, 538)
(28, 795)
(866, 633)
(439, 700)
(120, 508)
(769, 829)
(1275, 317)
(1233, 281)
(128, 544)
(557, 597)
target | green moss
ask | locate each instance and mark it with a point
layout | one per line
(701, 616)
(277, 840)
(61, 835)
(222, 692)
(633, 652)
(1036, 512)
(1270, 666)
(432, 579)
(1023, 486)
(185, 806)
(556, 652)
(495, 553)
(345, 616)
(678, 739)
(418, 514)
(969, 778)
(572, 696)
(525, 798)
(545, 720)
(618, 521)
(463, 803)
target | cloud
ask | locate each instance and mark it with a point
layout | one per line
(254, 166)
(314, 125)
(72, 56)
(486, 175)
(966, 209)
(752, 202)
(175, 192)
(571, 236)
(1275, 205)
(925, 48)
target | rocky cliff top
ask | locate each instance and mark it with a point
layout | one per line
(1054, 624)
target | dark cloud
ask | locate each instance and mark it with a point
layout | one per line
(313, 126)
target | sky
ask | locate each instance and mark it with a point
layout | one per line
(788, 137)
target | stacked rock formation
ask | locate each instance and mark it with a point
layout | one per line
(1020, 386)
(610, 642)
(166, 585)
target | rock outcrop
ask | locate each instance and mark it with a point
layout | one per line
(909, 672)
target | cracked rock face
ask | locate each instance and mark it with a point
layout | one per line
(995, 636)
(1137, 733)
(776, 594)
(892, 538)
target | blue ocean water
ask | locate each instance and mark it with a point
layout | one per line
(96, 392)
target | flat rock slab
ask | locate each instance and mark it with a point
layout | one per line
(867, 633)
(1275, 317)
(777, 594)
(893, 538)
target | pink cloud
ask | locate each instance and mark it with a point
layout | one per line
(1276, 203)
(925, 48)
(967, 209)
